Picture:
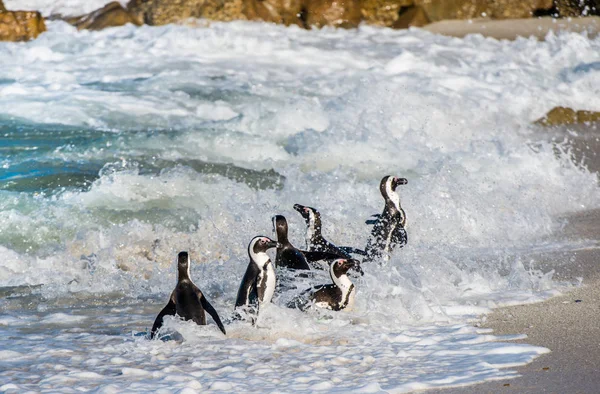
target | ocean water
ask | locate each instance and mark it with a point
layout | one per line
(120, 148)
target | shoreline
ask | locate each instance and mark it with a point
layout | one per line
(567, 324)
(511, 29)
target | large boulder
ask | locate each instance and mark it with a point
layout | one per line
(338, 13)
(287, 12)
(574, 8)
(112, 14)
(437, 10)
(414, 16)
(20, 25)
(162, 12)
(383, 12)
(564, 116)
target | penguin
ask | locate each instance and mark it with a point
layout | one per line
(389, 227)
(258, 283)
(290, 257)
(336, 296)
(315, 240)
(186, 300)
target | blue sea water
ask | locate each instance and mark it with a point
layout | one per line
(122, 147)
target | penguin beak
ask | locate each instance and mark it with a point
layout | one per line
(399, 181)
(354, 265)
(273, 244)
(298, 207)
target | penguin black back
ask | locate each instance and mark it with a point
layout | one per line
(186, 300)
(287, 255)
(315, 242)
(335, 296)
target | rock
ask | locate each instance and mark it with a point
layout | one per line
(574, 8)
(414, 16)
(383, 12)
(112, 14)
(2, 6)
(162, 12)
(565, 116)
(337, 13)
(21, 25)
(287, 12)
(437, 10)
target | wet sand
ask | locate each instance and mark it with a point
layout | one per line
(568, 325)
(510, 29)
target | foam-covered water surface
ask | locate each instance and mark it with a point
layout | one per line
(122, 147)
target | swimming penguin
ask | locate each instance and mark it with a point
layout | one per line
(389, 227)
(315, 240)
(258, 283)
(336, 296)
(290, 257)
(186, 300)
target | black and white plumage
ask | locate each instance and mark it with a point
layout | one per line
(258, 284)
(315, 242)
(388, 228)
(186, 300)
(335, 296)
(290, 257)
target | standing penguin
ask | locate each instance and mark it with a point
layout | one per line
(186, 300)
(315, 242)
(290, 257)
(258, 283)
(389, 227)
(336, 296)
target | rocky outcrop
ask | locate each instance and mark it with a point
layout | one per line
(575, 8)
(383, 12)
(566, 116)
(112, 14)
(20, 25)
(162, 12)
(337, 13)
(414, 16)
(287, 12)
(397, 14)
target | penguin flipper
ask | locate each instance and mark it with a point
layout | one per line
(169, 309)
(349, 249)
(212, 312)
(375, 216)
(248, 295)
(317, 256)
(303, 301)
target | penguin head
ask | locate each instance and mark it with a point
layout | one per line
(260, 244)
(280, 227)
(341, 267)
(308, 213)
(389, 184)
(387, 187)
(183, 264)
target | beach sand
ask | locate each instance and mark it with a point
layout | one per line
(569, 324)
(510, 29)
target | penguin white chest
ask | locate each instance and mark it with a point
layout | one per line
(350, 296)
(267, 283)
